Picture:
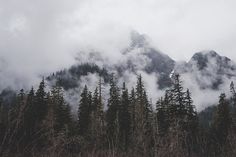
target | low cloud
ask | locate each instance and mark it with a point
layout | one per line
(38, 37)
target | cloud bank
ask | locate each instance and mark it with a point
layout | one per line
(38, 37)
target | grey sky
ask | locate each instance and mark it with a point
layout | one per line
(39, 36)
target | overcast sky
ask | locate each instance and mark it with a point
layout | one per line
(40, 36)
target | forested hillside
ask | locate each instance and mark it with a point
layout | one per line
(40, 123)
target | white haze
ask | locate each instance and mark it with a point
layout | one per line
(38, 37)
(200, 83)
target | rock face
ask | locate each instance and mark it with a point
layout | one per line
(209, 69)
(138, 56)
(222, 64)
(141, 55)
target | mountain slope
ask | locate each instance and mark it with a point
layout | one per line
(139, 56)
(209, 69)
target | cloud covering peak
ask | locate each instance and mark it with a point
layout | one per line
(38, 37)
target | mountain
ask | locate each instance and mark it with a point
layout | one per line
(209, 69)
(70, 78)
(141, 56)
(208, 57)
(138, 56)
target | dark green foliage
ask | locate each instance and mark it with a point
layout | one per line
(29, 121)
(206, 116)
(61, 109)
(191, 114)
(2, 120)
(113, 113)
(97, 108)
(161, 117)
(143, 119)
(124, 118)
(233, 104)
(142, 105)
(40, 109)
(232, 90)
(132, 109)
(97, 129)
(84, 111)
(178, 97)
(41, 123)
(222, 121)
(68, 78)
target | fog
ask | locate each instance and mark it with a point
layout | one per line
(38, 37)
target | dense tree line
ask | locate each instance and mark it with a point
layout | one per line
(40, 123)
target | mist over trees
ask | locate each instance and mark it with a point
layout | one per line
(40, 123)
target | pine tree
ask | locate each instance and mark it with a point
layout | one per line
(112, 113)
(132, 110)
(95, 100)
(84, 112)
(191, 124)
(124, 119)
(16, 128)
(178, 96)
(96, 128)
(20, 110)
(142, 118)
(140, 112)
(222, 120)
(100, 106)
(20, 103)
(39, 113)
(148, 114)
(61, 110)
(161, 117)
(1, 110)
(169, 108)
(40, 109)
(232, 90)
(233, 102)
(97, 113)
(181, 121)
(2, 120)
(29, 120)
(192, 121)
(49, 122)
